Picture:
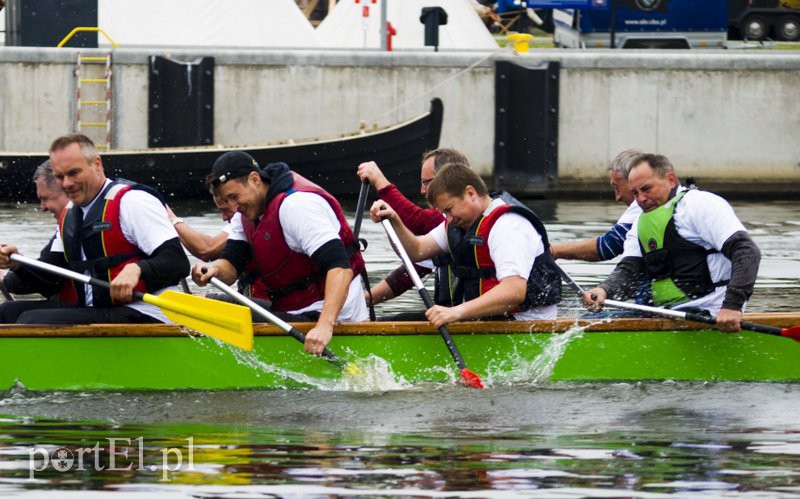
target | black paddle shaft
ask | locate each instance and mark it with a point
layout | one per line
(749, 326)
(689, 316)
(326, 352)
(277, 321)
(363, 193)
(426, 298)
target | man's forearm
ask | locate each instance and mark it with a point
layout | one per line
(745, 258)
(409, 241)
(381, 292)
(418, 220)
(509, 293)
(201, 245)
(624, 280)
(168, 263)
(337, 285)
(585, 250)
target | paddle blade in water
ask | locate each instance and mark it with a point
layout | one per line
(791, 332)
(225, 321)
(471, 379)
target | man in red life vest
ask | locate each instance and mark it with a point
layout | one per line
(301, 243)
(116, 231)
(499, 250)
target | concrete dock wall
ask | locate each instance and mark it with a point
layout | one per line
(731, 117)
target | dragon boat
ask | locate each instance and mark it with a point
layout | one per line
(168, 357)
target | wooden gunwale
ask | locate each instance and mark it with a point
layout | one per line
(782, 319)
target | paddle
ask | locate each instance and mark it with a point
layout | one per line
(790, 332)
(292, 331)
(470, 378)
(363, 193)
(225, 321)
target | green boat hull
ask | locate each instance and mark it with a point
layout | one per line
(174, 362)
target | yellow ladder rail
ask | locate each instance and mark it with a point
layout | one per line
(86, 28)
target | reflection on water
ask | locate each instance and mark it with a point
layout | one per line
(524, 437)
(573, 439)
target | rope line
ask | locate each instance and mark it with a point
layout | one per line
(440, 84)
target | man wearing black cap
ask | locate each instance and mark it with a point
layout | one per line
(299, 239)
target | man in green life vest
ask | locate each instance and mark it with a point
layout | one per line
(690, 245)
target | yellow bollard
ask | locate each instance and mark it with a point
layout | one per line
(520, 41)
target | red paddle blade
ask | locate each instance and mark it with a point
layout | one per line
(791, 332)
(471, 379)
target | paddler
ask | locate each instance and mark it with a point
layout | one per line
(688, 243)
(498, 248)
(297, 234)
(116, 231)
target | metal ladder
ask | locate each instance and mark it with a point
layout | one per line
(93, 98)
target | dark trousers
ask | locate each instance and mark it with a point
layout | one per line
(304, 317)
(53, 312)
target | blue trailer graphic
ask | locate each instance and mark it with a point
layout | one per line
(644, 24)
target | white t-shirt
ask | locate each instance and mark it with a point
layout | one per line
(631, 214)
(144, 223)
(513, 246)
(708, 220)
(308, 222)
(228, 228)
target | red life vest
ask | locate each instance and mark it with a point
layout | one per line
(293, 280)
(104, 245)
(475, 271)
(482, 258)
(68, 293)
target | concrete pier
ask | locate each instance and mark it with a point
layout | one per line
(731, 119)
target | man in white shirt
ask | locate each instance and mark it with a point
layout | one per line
(297, 234)
(115, 231)
(690, 245)
(499, 251)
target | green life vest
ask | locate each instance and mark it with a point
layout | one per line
(677, 268)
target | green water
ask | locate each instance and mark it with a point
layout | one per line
(529, 438)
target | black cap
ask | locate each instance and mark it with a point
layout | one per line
(233, 164)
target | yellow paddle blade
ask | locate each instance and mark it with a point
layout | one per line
(225, 321)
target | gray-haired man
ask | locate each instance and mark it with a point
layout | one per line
(610, 244)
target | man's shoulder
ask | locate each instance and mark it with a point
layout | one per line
(139, 196)
(299, 199)
(702, 201)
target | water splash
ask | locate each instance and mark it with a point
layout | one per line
(362, 375)
(251, 360)
(371, 374)
(541, 367)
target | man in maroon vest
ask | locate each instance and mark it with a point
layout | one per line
(301, 243)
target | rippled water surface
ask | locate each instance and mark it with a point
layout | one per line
(526, 438)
